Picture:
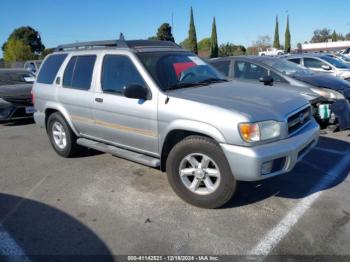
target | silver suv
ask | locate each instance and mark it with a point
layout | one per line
(162, 106)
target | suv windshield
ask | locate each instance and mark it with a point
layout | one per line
(172, 70)
(14, 77)
(288, 68)
(334, 62)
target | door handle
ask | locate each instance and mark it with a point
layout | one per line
(99, 100)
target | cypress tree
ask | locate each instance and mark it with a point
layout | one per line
(334, 36)
(192, 36)
(276, 42)
(287, 44)
(214, 48)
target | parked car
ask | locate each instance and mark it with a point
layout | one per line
(322, 63)
(345, 52)
(32, 66)
(335, 92)
(271, 52)
(157, 104)
(345, 59)
(15, 94)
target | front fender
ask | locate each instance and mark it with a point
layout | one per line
(193, 126)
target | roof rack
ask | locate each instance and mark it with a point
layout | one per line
(93, 44)
(135, 44)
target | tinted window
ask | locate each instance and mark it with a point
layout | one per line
(277, 78)
(313, 63)
(335, 62)
(295, 60)
(78, 73)
(50, 68)
(68, 72)
(246, 70)
(173, 69)
(119, 71)
(222, 66)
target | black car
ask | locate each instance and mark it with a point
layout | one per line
(335, 92)
(15, 94)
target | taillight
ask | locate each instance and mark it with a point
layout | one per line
(33, 98)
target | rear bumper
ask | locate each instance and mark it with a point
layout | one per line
(246, 162)
(12, 112)
(39, 118)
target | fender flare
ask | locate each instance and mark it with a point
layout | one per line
(63, 112)
(193, 126)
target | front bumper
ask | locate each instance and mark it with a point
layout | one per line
(246, 162)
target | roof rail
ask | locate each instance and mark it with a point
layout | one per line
(136, 44)
(93, 44)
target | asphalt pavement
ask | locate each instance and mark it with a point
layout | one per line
(97, 204)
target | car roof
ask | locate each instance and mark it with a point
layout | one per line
(251, 58)
(320, 55)
(130, 45)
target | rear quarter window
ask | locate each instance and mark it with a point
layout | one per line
(50, 68)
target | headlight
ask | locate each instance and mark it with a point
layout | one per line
(328, 93)
(253, 132)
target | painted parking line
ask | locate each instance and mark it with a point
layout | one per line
(8, 246)
(331, 151)
(278, 233)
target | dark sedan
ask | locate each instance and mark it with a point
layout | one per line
(281, 73)
(15, 94)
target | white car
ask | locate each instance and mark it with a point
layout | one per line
(271, 52)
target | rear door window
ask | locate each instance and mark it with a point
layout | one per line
(78, 73)
(50, 68)
(250, 71)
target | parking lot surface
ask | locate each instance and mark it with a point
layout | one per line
(100, 204)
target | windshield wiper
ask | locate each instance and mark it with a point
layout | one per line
(212, 80)
(199, 83)
(183, 85)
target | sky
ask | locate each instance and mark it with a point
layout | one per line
(238, 22)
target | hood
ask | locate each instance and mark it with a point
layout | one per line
(257, 102)
(324, 81)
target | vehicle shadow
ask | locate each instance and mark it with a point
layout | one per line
(43, 233)
(18, 122)
(323, 168)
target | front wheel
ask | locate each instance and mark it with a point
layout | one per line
(199, 173)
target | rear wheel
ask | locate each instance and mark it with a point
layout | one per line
(61, 136)
(199, 173)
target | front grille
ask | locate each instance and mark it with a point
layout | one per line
(298, 120)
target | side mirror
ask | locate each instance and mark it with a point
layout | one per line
(326, 67)
(267, 80)
(136, 92)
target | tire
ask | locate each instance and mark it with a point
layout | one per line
(207, 152)
(66, 149)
